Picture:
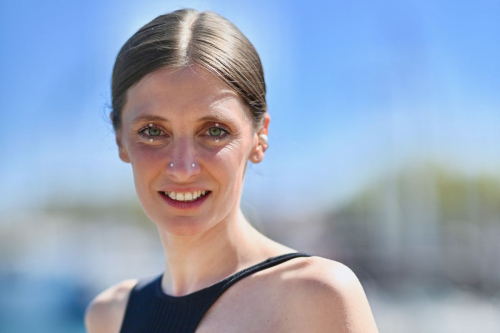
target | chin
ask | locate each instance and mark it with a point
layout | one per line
(182, 226)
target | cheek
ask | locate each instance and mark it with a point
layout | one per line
(227, 164)
(235, 156)
(231, 162)
(146, 162)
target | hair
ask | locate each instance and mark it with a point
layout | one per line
(184, 38)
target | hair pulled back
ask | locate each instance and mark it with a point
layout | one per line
(183, 38)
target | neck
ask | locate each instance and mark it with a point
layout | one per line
(196, 262)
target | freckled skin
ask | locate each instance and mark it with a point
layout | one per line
(183, 96)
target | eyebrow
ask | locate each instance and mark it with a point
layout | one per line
(148, 117)
(217, 117)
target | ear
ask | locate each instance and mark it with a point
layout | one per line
(122, 150)
(259, 146)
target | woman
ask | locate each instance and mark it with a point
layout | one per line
(189, 111)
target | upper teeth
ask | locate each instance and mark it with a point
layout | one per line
(187, 196)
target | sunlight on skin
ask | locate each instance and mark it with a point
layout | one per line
(182, 105)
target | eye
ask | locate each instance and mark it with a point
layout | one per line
(150, 131)
(154, 131)
(215, 131)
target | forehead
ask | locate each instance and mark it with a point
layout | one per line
(189, 91)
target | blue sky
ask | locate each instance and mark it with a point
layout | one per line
(355, 88)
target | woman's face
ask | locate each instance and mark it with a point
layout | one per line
(184, 131)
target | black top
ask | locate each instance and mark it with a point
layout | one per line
(150, 310)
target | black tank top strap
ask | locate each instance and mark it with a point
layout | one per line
(150, 310)
(215, 291)
(273, 261)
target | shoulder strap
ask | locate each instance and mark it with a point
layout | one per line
(223, 285)
(149, 310)
(259, 267)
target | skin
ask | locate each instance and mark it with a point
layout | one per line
(204, 245)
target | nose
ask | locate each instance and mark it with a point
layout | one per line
(183, 163)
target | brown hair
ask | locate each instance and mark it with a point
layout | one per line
(184, 38)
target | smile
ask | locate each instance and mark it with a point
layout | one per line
(187, 196)
(186, 200)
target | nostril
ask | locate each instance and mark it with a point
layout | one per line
(182, 169)
(192, 165)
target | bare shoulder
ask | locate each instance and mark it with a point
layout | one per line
(106, 311)
(327, 296)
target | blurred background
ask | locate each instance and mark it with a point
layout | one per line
(384, 154)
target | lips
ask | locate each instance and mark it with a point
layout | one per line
(182, 203)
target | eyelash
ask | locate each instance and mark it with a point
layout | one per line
(143, 134)
(224, 134)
